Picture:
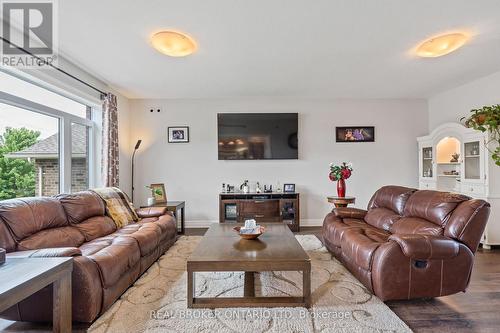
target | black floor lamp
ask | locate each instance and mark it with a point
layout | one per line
(137, 145)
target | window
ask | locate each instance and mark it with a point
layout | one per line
(80, 135)
(46, 141)
(17, 87)
(29, 153)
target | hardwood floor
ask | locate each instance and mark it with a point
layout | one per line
(477, 310)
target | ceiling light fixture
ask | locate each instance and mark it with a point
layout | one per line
(173, 43)
(441, 45)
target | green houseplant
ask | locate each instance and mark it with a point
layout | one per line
(487, 119)
(154, 192)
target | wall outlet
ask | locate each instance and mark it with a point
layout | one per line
(154, 109)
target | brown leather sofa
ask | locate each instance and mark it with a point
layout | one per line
(106, 260)
(409, 243)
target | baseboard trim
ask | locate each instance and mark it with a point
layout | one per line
(199, 224)
(311, 222)
(207, 223)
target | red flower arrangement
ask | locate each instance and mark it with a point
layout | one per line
(340, 173)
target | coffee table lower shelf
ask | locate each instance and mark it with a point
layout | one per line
(249, 299)
(248, 302)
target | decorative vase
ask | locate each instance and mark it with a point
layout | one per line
(151, 201)
(341, 188)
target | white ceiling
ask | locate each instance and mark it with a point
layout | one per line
(300, 48)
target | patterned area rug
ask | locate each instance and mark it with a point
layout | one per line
(157, 301)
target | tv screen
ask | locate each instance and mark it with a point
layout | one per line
(257, 136)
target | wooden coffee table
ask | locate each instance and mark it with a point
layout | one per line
(222, 250)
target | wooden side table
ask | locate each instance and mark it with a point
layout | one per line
(176, 207)
(22, 277)
(341, 201)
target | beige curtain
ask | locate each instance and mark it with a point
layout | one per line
(110, 160)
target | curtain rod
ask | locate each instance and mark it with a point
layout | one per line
(103, 94)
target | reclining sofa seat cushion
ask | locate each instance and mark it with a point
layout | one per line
(336, 227)
(36, 223)
(387, 206)
(427, 212)
(166, 223)
(114, 255)
(81, 206)
(27, 216)
(147, 236)
(86, 213)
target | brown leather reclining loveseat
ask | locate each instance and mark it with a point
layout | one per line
(409, 243)
(106, 260)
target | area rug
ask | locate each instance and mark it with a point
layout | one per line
(157, 301)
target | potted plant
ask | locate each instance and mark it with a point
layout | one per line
(487, 119)
(340, 173)
(154, 191)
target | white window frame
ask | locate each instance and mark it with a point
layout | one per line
(65, 121)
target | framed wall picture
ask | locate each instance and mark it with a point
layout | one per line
(288, 188)
(355, 134)
(159, 192)
(178, 134)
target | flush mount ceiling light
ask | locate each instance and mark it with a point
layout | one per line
(441, 45)
(173, 43)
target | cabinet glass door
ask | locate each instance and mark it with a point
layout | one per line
(289, 211)
(472, 160)
(230, 211)
(426, 162)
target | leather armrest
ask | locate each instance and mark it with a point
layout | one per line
(47, 253)
(347, 212)
(151, 212)
(426, 246)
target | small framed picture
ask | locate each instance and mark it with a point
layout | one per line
(178, 134)
(289, 188)
(159, 192)
(355, 134)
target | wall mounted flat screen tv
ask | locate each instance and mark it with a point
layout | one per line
(257, 136)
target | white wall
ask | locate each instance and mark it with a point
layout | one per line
(192, 172)
(451, 105)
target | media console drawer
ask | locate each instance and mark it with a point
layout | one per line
(260, 208)
(263, 207)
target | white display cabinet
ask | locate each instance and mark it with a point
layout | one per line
(468, 174)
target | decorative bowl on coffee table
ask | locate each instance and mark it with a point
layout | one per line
(249, 236)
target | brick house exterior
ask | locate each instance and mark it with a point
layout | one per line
(45, 156)
(47, 176)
